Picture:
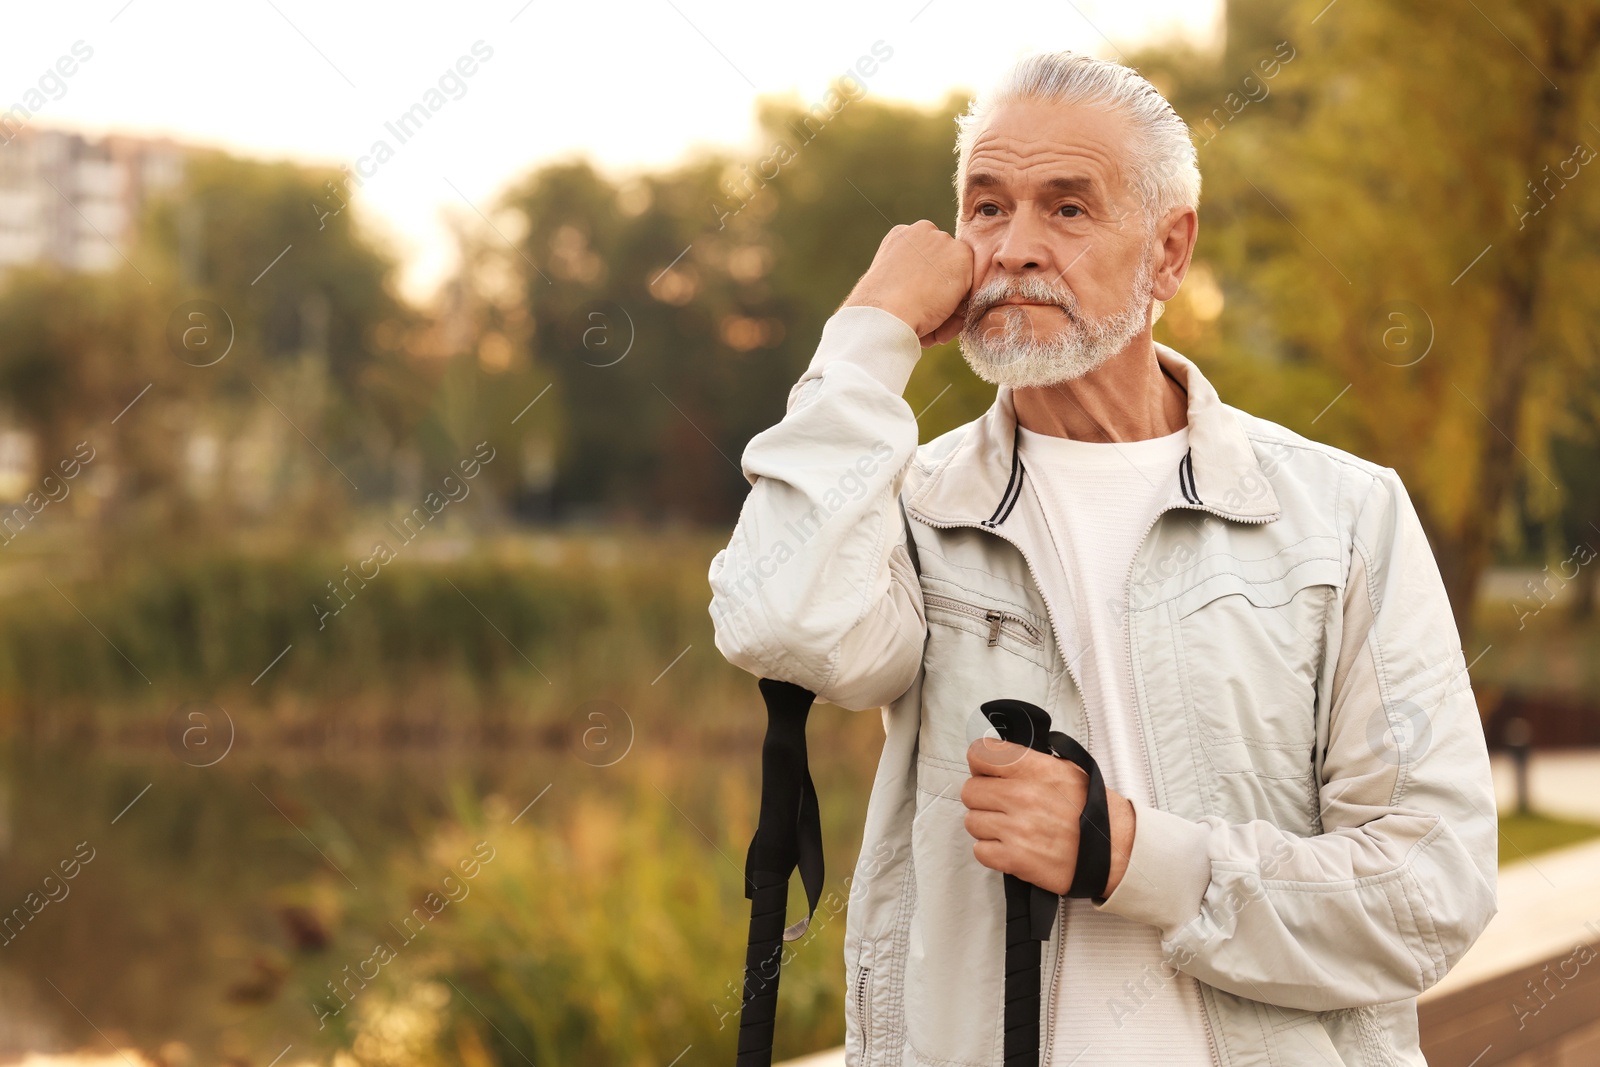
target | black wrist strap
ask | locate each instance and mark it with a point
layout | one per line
(788, 837)
(1094, 823)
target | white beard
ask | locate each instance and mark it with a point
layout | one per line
(1014, 356)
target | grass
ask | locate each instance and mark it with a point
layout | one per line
(1528, 835)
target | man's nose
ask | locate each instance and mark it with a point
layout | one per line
(1025, 247)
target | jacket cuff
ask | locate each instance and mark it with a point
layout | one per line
(872, 339)
(1168, 871)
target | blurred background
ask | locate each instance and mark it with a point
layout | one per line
(372, 387)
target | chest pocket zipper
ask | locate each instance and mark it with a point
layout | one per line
(998, 621)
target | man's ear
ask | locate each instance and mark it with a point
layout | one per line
(1176, 234)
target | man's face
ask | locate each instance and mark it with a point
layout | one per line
(1062, 260)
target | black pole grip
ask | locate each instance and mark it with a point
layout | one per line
(1023, 972)
(1019, 722)
(762, 961)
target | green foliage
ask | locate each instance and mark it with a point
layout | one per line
(1348, 198)
(528, 628)
(608, 927)
(720, 274)
(234, 217)
(630, 306)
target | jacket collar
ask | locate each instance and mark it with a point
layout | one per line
(980, 480)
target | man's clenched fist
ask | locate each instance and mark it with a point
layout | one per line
(921, 275)
(1022, 812)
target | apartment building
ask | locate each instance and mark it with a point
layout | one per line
(74, 200)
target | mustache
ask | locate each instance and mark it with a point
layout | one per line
(1031, 288)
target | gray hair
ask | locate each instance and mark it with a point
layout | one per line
(1162, 171)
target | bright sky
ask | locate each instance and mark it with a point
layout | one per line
(630, 84)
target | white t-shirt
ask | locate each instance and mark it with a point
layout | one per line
(1118, 1003)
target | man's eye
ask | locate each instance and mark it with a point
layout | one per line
(1071, 211)
(989, 209)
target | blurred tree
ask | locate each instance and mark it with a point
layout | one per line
(874, 166)
(315, 350)
(319, 330)
(224, 233)
(673, 311)
(653, 323)
(74, 350)
(1575, 453)
(1410, 217)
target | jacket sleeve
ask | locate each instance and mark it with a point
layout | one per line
(816, 586)
(1402, 880)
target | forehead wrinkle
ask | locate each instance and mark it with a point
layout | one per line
(999, 150)
(985, 141)
(1000, 172)
(1093, 158)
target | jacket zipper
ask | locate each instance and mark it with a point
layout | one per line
(862, 973)
(1205, 1015)
(1144, 731)
(1088, 741)
(1055, 980)
(997, 620)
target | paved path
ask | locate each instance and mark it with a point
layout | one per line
(1548, 904)
(1563, 782)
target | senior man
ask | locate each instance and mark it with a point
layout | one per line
(1236, 621)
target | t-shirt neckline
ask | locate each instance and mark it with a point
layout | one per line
(1071, 451)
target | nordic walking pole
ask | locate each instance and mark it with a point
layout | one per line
(788, 836)
(1030, 910)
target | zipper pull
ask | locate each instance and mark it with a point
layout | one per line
(994, 618)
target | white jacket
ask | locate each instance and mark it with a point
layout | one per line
(1286, 624)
